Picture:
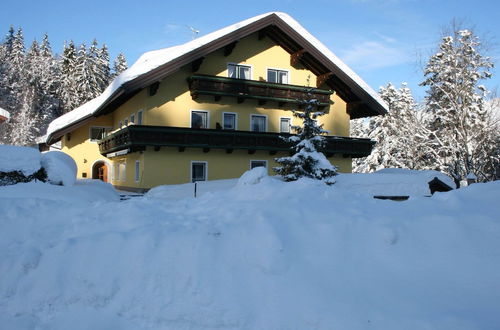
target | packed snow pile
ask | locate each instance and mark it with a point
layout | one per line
(391, 182)
(25, 164)
(253, 176)
(23, 159)
(61, 168)
(269, 255)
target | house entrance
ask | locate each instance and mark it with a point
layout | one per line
(100, 171)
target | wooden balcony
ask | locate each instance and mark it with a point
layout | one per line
(137, 138)
(263, 92)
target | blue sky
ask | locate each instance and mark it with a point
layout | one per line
(382, 40)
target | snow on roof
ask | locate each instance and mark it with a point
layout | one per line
(154, 59)
(4, 113)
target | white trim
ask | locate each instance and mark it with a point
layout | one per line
(137, 173)
(290, 125)
(256, 114)
(108, 166)
(286, 70)
(257, 160)
(90, 132)
(142, 117)
(240, 64)
(235, 119)
(191, 170)
(191, 117)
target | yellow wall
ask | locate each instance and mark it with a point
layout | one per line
(77, 144)
(172, 105)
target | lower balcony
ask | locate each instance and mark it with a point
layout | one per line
(138, 137)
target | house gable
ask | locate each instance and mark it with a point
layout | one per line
(303, 48)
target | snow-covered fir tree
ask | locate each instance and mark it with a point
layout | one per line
(307, 160)
(119, 65)
(461, 136)
(35, 87)
(68, 86)
(400, 135)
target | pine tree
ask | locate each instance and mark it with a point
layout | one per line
(68, 86)
(400, 134)
(119, 65)
(457, 118)
(103, 69)
(308, 160)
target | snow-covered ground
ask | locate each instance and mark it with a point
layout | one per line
(254, 253)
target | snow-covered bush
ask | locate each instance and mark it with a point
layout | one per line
(24, 164)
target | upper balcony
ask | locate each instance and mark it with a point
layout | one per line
(261, 91)
(136, 138)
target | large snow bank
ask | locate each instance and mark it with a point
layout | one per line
(271, 255)
(61, 168)
(23, 159)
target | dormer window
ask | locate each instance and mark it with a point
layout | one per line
(238, 71)
(277, 76)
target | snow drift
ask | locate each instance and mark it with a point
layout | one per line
(268, 255)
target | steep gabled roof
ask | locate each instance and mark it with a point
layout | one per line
(154, 66)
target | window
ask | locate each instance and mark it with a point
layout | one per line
(120, 124)
(125, 122)
(277, 76)
(198, 171)
(137, 170)
(229, 120)
(238, 71)
(132, 118)
(122, 171)
(258, 163)
(139, 117)
(199, 119)
(285, 125)
(258, 123)
(98, 133)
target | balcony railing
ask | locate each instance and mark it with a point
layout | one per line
(136, 137)
(242, 89)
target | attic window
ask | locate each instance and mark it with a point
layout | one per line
(238, 71)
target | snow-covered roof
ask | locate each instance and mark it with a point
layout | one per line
(4, 113)
(155, 59)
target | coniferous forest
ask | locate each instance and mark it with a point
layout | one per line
(38, 84)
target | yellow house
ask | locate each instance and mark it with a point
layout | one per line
(215, 107)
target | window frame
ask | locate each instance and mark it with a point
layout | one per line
(205, 170)
(137, 175)
(107, 129)
(239, 64)
(235, 121)
(289, 125)
(191, 118)
(258, 160)
(140, 115)
(258, 115)
(288, 74)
